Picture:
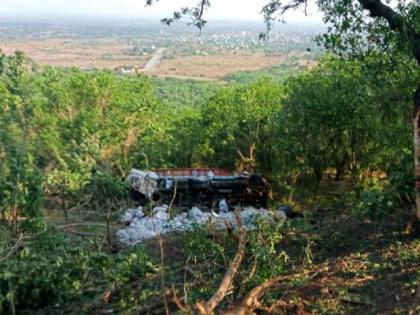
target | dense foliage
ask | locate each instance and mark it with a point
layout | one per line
(60, 128)
(55, 270)
(68, 135)
(68, 138)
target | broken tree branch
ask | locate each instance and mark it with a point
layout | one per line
(252, 300)
(81, 204)
(225, 285)
(178, 302)
(80, 224)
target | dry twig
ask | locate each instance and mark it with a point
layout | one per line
(14, 248)
(177, 301)
(173, 198)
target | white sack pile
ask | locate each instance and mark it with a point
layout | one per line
(141, 227)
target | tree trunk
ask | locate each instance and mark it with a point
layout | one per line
(3, 217)
(340, 168)
(417, 154)
(15, 221)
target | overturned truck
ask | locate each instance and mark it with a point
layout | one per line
(198, 186)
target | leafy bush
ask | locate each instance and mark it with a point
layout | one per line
(21, 196)
(106, 189)
(402, 180)
(263, 248)
(373, 204)
(263, 258)
(379, 198)
(55, 269)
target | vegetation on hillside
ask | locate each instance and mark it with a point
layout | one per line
(69, 137)
(334, 140)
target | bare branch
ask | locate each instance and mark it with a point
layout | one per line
(252, 300)
(64, 226)
(178, 302)
(14, 248)
(225, 285)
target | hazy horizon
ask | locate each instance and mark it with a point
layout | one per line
(134, 9)
(133, 20)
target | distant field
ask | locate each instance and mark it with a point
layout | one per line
(111, 54)
(98, 53)
(176, 52)
(216, 66)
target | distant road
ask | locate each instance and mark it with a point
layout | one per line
(154, 61)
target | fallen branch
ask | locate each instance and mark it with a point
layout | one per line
(177, 301)
(14, 248)
(82, 234)
(81, 204)
(208, 307)
(64, 226)
(252, 301)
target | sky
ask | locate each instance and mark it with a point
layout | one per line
(220, 9)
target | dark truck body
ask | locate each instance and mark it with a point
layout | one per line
(202, 186)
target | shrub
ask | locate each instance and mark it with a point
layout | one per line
(54, 269)
(373, 204)
(263, 248)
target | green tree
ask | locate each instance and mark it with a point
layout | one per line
(238, 124)
(59, 126)
(333, 117)
(20, 182)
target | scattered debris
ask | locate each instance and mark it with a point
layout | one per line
(140, 227)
